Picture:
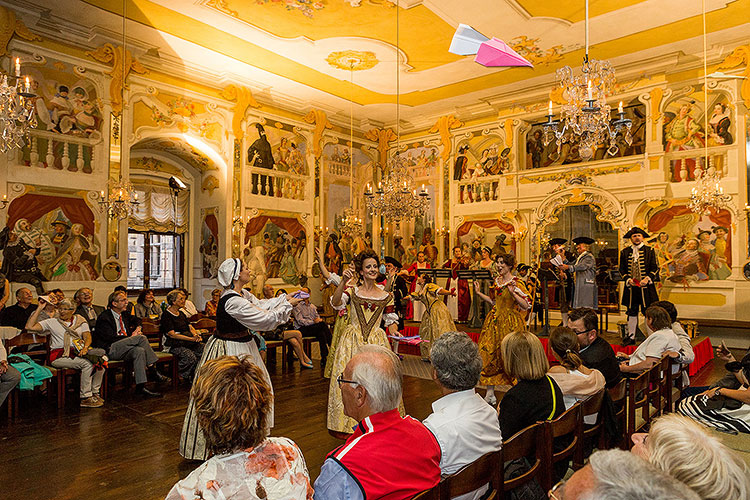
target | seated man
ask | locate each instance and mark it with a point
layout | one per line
(465, 426)
(310, 324)
(595, 352)
(653, 348)
(119, 333)
(84, 297)
(387, 456)
(685, 355)
(618, 474)
(18, 314)
(9, 376)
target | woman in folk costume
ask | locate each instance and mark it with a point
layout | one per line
(237, 313)
(342, 316)
(368, 302)
(437, 318)
(512, 301)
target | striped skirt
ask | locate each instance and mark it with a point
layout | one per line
(192, 441)
(724, 419)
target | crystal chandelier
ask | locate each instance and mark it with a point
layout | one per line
(585, 116)
(120, 200)
(349, 223)
(17, 114)
(707, 194)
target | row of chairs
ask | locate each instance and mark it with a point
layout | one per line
(637, 402)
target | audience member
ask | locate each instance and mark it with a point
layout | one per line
(18, 314)
(84, 299)
(49, 310)
(286, 332)
(131, 307)
(388, 456)
(536, 396)
(57, 293)
(619, 475)
(9, 376)
(70, 347)
(653, 348)
(212, 304)
(685, 355)
(595, 352)
(232, 403)
(576, 381)
(465, 426)
(685, 450)
(310, 324)
(119, 333)
(189, 308)
(182, 340)
(146, 306)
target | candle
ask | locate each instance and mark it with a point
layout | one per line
(590, 92)
(423, 189)
(18, 67)
(28, 85)
(102, 195)
(379, 186)
(549, 109)
(5, 197)
(369, 189)
(619, 108)
(135, 196)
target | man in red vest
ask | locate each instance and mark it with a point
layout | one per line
(388, 457)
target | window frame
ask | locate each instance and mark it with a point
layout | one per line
(180, 264)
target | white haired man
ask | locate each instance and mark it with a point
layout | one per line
(465, 426)
(373, 461)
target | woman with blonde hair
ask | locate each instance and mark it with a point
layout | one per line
(232, 403)
(687, 451)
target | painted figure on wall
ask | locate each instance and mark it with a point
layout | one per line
(209, 247)
(682, 133)
(275, 249)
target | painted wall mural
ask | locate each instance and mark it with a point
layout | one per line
(164, 110)
(209, 248)
(275, 246)
(690, 247)
(539, 156)
(474, 235)
(49, 238)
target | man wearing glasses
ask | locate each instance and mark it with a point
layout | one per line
(595, 351)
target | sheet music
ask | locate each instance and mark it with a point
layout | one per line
(557, 261)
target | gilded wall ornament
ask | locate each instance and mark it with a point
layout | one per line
(740, 56)
(383, 136)
(123, 63)
(244, 99)
(10, 25)
(321, 124)
(352, 60)
(444, 126)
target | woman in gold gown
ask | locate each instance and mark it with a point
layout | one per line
(368, 303)
(436, 319)
(512, 301)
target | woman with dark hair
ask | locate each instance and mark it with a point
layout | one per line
(182, 340)
(233, 401)
(512, 300)
(368, 302)
(436, 319)
(146, 306)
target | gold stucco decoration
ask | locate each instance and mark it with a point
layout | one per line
(738, 57)
(352, 60)
(209, 184)
(383, 136)
(657, 94)
(10, 25)
(123, 63)
(244, 99)
(321, 122)
(444, 126)
(528, 48)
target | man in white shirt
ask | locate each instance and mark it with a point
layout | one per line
(653, 348)
(465, 426)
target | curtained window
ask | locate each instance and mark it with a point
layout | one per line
(158, 211)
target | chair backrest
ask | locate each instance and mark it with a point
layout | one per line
(150, 329)
(29, 338)
(619, 394)
(637, 399)
(486, 469)
(205, 324)
(592, 405)
(676, 381)
(523, 444)
(568, 424)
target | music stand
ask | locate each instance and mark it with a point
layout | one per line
(474, 274)
(545, 275)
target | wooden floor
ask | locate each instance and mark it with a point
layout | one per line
(128, 449)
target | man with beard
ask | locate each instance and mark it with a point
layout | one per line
(259, 155)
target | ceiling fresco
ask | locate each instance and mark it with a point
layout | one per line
(178, 148)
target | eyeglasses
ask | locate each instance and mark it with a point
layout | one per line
(582, 331)
(556, 492)
(341, 380)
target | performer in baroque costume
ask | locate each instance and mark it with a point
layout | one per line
(512, 300)
(459, 305)
(585, 291)
(368, 303)
(564, 290)
(436, 319)
(640, 271)
(415, 311)
(237, 313)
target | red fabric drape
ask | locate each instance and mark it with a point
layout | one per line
(289, 224)
(464, 229)
(32, 206)
(720, 218)
(213, 225)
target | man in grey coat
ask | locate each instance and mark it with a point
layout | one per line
(585, 292)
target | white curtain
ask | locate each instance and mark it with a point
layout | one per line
(156, 211)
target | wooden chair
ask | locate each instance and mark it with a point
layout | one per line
(207, 324)
(618, 395)
(40, 355)
(590, 434)
(271, 346)
(431, 494)
(523, 444)
(637, 400)
(566, 425)
(487, 469)
(676, 384)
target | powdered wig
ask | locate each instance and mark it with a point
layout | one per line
(685, 450)
(378, 370)
(232, 403)
(523, 356)
(455, 358)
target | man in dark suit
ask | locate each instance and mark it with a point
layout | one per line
(595, 352)
(84, 298)
(119, 333)
(640, 270)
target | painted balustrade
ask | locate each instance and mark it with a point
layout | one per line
(278, 184)
(47, 149)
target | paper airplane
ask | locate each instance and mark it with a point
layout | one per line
(489, 52)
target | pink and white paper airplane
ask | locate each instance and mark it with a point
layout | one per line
(489, 52)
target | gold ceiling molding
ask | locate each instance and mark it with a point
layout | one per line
(123, 63)
(740, 56)
(321, 122)
(444, 126)
(352, 60)
(9, 26)
(221, 6)
(657, 94)
(383, 136)
(571, 175)
(244, 99)
(508, 127)
(528, 48)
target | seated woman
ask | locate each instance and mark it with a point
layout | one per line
(70, 347)
(146, 306)
(182, 340)
(576, 381)
(212, 304)
(689, 453)
(293, 337)
(232, 401)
